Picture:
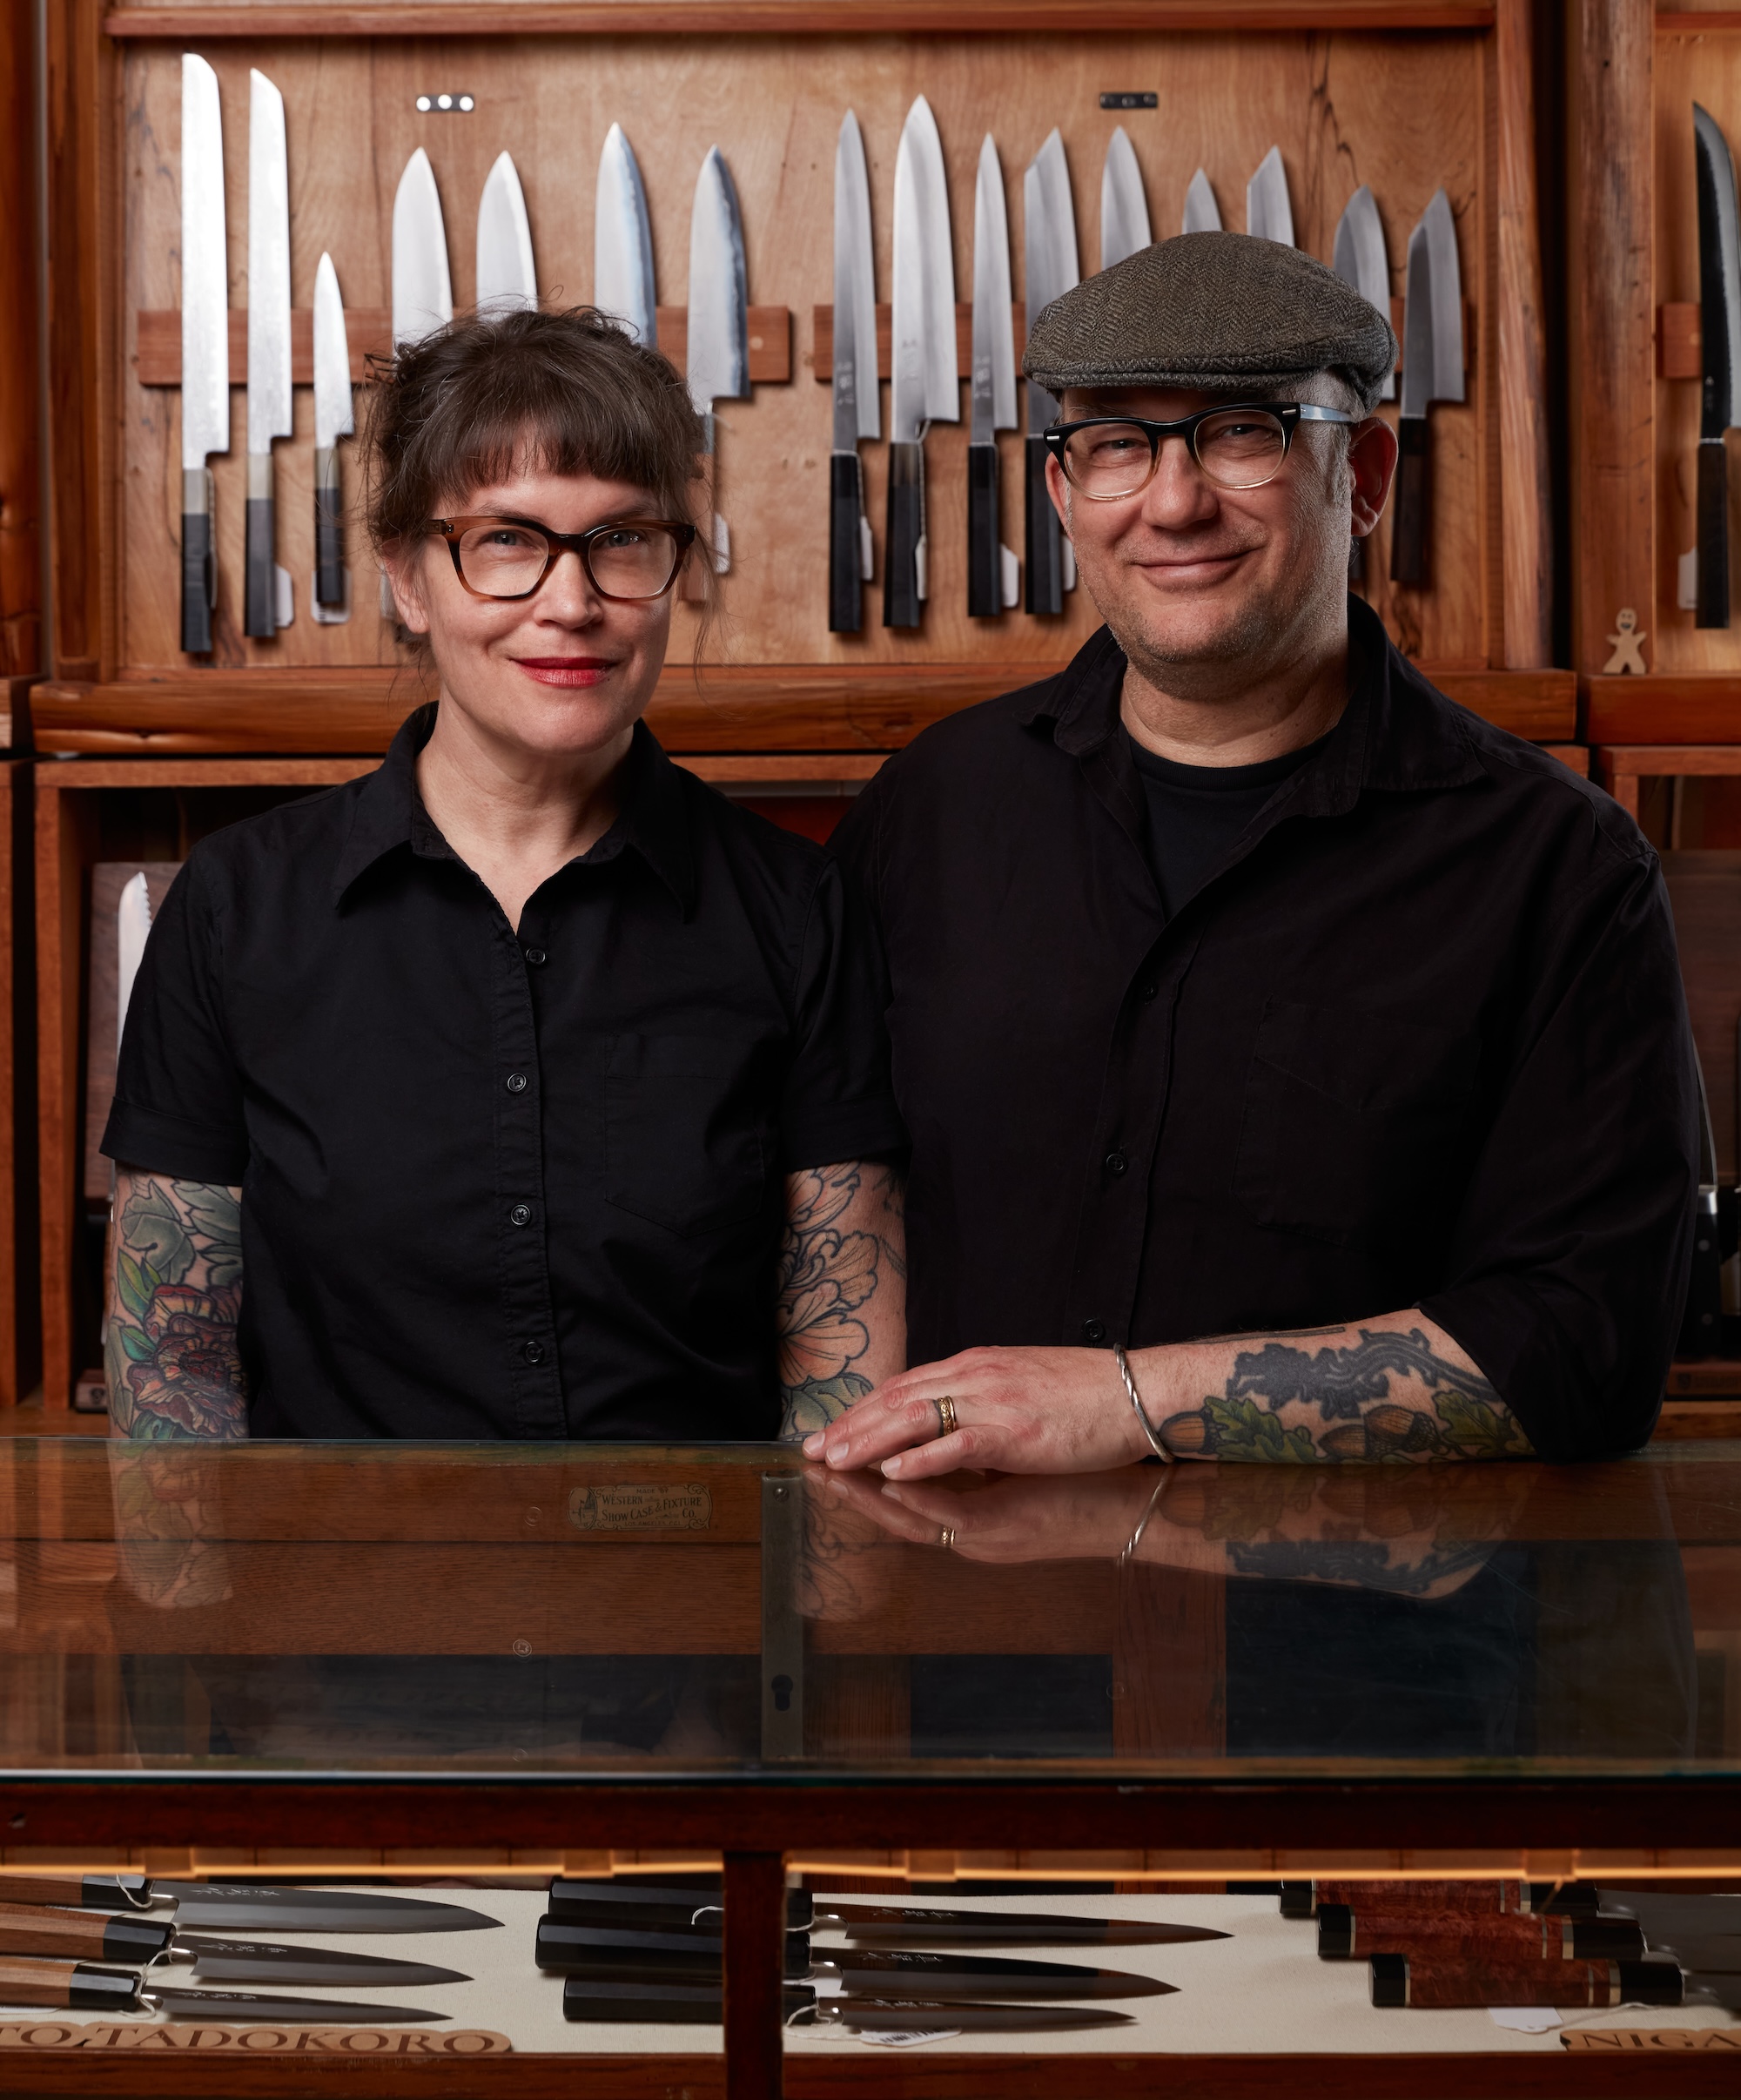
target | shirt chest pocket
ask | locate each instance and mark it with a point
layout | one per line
(686, 1130)
(1352, 1121)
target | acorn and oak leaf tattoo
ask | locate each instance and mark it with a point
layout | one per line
(826, 1277)
(173, 1368)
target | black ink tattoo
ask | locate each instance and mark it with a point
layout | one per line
(828, 1275)
(171, 1359)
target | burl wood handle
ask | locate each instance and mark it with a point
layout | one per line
(36, 1983)
(1442, 1983)
(1425, 1899)
(1343, 1934)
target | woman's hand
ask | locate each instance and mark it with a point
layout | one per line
(1017, 1410)
(1009, 1521)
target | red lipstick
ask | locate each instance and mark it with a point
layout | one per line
(567, 670)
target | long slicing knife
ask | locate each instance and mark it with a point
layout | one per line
(334, 417)
(719, 340)
(622, 242)
(205, 344)
(857, 412)
(1360, 260)
(994, 582)
(1202, 213)
(1124, 209)
(134, 1941)
(691, 2005)
(924, 387)
(1432, 371)
(81, 1986)
(506, 276)
(243, 1906)
(1049, 241)
(1719, 295)
(1269, 213)
(266, 602)
(422, 289)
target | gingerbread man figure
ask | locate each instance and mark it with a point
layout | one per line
(1628, 643)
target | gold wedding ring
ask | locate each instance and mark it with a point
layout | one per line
(945, 1417)
(948, 1539)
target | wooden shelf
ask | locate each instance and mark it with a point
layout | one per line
(1662, 707)
(760, 708)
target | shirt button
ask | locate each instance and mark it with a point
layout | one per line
(1115, 1162)
(1149, 991)
(534, 1352)
(536, 957)
(520, 1214)
(1093, 1331)
(517, 1082)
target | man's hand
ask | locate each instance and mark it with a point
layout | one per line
(1018, 1410)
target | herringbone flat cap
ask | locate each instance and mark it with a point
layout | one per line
(1207, 308)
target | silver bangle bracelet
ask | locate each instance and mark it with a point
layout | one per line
(1154, 1442)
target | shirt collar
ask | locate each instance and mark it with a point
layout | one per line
(388, 813)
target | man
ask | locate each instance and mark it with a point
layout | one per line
(1243, 987)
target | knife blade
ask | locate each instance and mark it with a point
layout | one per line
(719, 342)
(1432, 370)
(923, 386)
(1269, 213)
(334, 417)
(1202, 213)
(1049, 243)
(1720, 299)
(422, 289)
(1360, 260)
(269, 1962)
(244, 1906)
(584, 1998)
(1690, 1912)
(508, 278)
(855, 402)
(205, 344)
(992, 576)
(622, 242)
(268, 348)
(132, 929)
(81, 1986)
(1124, 209)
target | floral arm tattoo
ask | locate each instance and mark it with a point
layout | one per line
(171, 1358)
(841, 1311)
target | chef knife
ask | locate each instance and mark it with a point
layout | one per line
(719, 340)
(1360, 260)
(992, 579)
(622, 242)
(1719, 295)
(856, 411)
(205, 344)
(1049, 241)
(1124, 209)
(924, 387)
(1202, 213)
(107, 1936)
(608, 1951)
(334, 417)
(268, 352)
(692, 2004)
(244, 1906)
(675, 1908)
(422, 290)
(81, 1986)
(1669, 1915)
(507, 276)
(1432, 371)
(1268, 214)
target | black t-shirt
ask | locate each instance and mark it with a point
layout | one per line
(495, 1184)
(1195, 812)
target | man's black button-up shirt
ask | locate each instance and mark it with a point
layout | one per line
(497, 1184)
(1420, 1039)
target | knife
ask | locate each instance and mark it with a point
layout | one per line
(79, 1986)
(1360, 260)
(1720, 295)
(992, 578)
(136, 1942)
(1124, 209)
(507, 276)
(606, 1952)
(622, 242)
(1432, 371)
(205, 344)
(244, 1906)
(1689, 1915)
(691, 2005)
(266, 602)
(857, 412)
(1268, 214)
(422, 290)
(923, 387)
(719, 340)
(1202, 213)
(1049, 239)
(334, 417)
(670, 1910)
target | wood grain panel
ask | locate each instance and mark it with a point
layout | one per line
(14, 783)
(20, 376)
(1527, 539)
(1660, 709)
(1679, 342)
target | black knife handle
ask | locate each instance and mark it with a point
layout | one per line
(984, 541)
(198, 562)
(901, 599)
(260, 596)
(845, 541)
(329, 531)
(1045, 538)
(1713, 534)
(1408, 525)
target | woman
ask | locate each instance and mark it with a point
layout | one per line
(526, 1087)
